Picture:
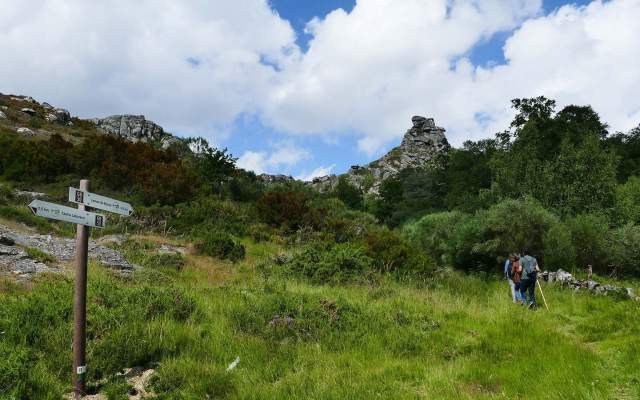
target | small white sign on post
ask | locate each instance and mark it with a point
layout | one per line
(67, 214)
(101, 202)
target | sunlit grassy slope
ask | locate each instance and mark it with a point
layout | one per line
(453, 337)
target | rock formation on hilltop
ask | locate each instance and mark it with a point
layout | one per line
(421, 147)
(135, 128)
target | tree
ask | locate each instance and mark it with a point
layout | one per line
(348, 193)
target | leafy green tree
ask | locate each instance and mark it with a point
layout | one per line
(214, 166)
(588, 233)
(348, 193)
(467, 173)
(627, 202)
(627, 147)
(623, 249)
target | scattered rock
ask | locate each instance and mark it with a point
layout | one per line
(567, 280)
(139, 378)
(111, 239)
(6, 240)
(28, 99)
(15, 261)
(33, 195)
(25, 131)
(29, 111)
(169, 249)
(63, 249)
(3, 115)
(279, 321)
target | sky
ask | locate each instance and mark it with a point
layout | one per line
(308, 88)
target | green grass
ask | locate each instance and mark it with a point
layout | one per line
(39, 255)
(455, 337)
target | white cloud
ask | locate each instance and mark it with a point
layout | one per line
(320, 171)
(370, 70)
(195, 66)
(280, 159)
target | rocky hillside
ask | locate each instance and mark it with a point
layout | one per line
(422, 146)
(27, 116)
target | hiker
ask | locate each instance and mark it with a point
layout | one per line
(516, 277)
(507, 275)
(528, 279)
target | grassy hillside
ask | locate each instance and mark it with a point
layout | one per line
(446, 337)
(331, 295)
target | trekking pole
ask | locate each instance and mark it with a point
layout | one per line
(542, 293)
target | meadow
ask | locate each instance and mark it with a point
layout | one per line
(449, 336)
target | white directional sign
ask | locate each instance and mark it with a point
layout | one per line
(67, 214)
(101, 202)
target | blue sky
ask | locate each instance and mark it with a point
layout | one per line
(249, 134)
(287, 95)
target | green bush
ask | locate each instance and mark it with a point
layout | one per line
(624, 250)
(393, 253)
(221, 245)
(627, 202)
(435, 234)
(484, 240)
(588, 232)
(322, 262)
(558, 248)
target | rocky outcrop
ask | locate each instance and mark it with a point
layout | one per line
(58, 115)
(421, 146)
(279, 178)
(131, 127)
(567, 280)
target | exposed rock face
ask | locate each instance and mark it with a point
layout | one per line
(29, 111)
(58, 115)
(135, 128)
(3, 115)
(268, 178)
(421, 146)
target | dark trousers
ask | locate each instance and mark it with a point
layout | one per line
(530, 285)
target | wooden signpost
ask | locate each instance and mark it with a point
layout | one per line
(84, 220)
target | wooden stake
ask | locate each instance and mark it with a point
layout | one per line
(542, 293)
(80, 304)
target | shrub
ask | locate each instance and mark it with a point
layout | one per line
(558, 248)
(627, 202)
(322, 262)
(393, 253)
(348, 193)
(435, 234)
(286, 209)
(624, 252)
(588, 232)
(221, 245)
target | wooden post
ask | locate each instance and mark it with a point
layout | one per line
(80, 304)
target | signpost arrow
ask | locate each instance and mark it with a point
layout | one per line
(84, 219)
(101, 202)
(67, 214)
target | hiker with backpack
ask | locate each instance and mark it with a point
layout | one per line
(507, 274)
(529, 278)
(516, 277)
